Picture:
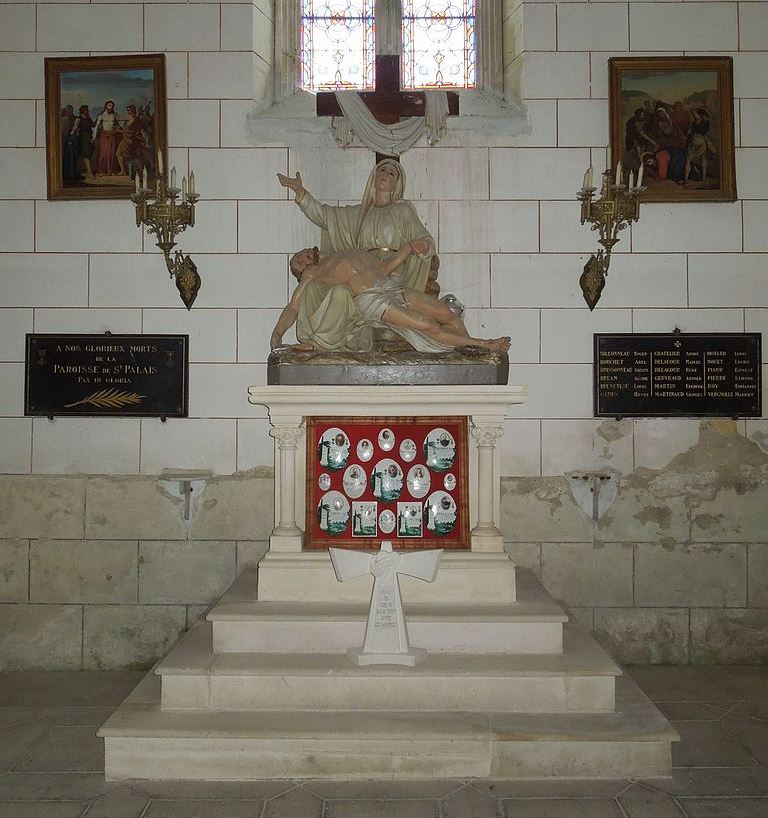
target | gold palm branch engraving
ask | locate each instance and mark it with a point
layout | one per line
(108, 399)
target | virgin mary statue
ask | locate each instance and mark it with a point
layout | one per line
(381, 223)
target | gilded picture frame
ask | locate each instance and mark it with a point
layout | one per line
(105, 121)
(675, 116)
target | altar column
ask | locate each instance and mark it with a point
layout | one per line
(287, 432)
(486, 535)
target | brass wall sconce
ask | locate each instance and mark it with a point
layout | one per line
(165, 215)
(618, 206)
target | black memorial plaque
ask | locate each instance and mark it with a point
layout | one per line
(697, 374)
(111, 375)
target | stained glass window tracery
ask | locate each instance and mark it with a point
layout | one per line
(439, 48)
(337, 44)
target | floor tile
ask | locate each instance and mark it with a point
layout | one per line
(56, 786)
(691, 711)
(641, 802)
(753, 709)
(750, 733)
(10, 716)
(737, 780)
(125, 802)
(725, 807)
(16, 741)
(298, 803)
(42, 809)
(551, 788)
(250, 790)
(46, 688)
(204, 809)
(382, 790)
(561, 808)
(469, 803)
(701, 682)
(381, 809)
(71, 716)
(707, 745)
(661, 683)
(65, 749)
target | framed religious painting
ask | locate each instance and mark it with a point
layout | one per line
(105, 124)
(674, 116)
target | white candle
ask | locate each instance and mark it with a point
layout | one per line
(640, 175)
(608, 156)
(173, 177)
(631, 183)
(184, 189)
(159, 162)
(144, 178)
(589, 176)
(585, 182)
(618, 172)
(191, 183)
(137, 182)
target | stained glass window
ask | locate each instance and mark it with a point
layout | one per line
(337, 44)
(439, 44)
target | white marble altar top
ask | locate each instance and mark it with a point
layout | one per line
(389, 400)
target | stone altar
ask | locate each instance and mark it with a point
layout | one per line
(486, 407)
(262, 688)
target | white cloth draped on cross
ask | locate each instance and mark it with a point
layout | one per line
(393, 139)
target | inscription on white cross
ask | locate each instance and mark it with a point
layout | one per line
(386, 633)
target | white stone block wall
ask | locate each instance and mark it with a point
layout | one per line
(93, 547)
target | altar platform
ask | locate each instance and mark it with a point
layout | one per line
(261, 690)
(53, 763)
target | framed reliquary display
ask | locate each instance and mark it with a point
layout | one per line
(402, 479)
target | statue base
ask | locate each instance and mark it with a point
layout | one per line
(409, 659)
(470, 366)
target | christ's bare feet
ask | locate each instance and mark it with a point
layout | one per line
(500, 344)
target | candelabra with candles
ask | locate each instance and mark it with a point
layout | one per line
(618, 206)
(165, 214)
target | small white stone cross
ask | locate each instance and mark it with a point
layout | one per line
(386, 634)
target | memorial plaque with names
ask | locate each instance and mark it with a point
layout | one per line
(677, 374)
(107, 375)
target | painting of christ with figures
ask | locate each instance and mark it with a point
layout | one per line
(105, 123)
(674, 117)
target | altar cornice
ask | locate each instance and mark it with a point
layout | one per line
(388, 400)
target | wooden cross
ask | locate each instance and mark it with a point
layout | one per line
(388, 102)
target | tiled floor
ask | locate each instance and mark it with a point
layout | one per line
(52, 763)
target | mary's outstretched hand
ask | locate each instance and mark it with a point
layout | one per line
(294, 183)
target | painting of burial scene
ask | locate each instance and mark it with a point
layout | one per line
(105, 124)
(674, 116)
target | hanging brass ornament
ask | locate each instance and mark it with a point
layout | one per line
(166, 213)
(617, 207)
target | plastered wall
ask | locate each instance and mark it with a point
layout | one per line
(99, 568)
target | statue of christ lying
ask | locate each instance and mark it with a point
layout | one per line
(378, 292)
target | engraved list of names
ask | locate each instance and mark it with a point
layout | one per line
(676, 374)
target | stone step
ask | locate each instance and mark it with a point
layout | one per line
(464, 578)
(143, 741)
(581, 679)
(532, 624)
